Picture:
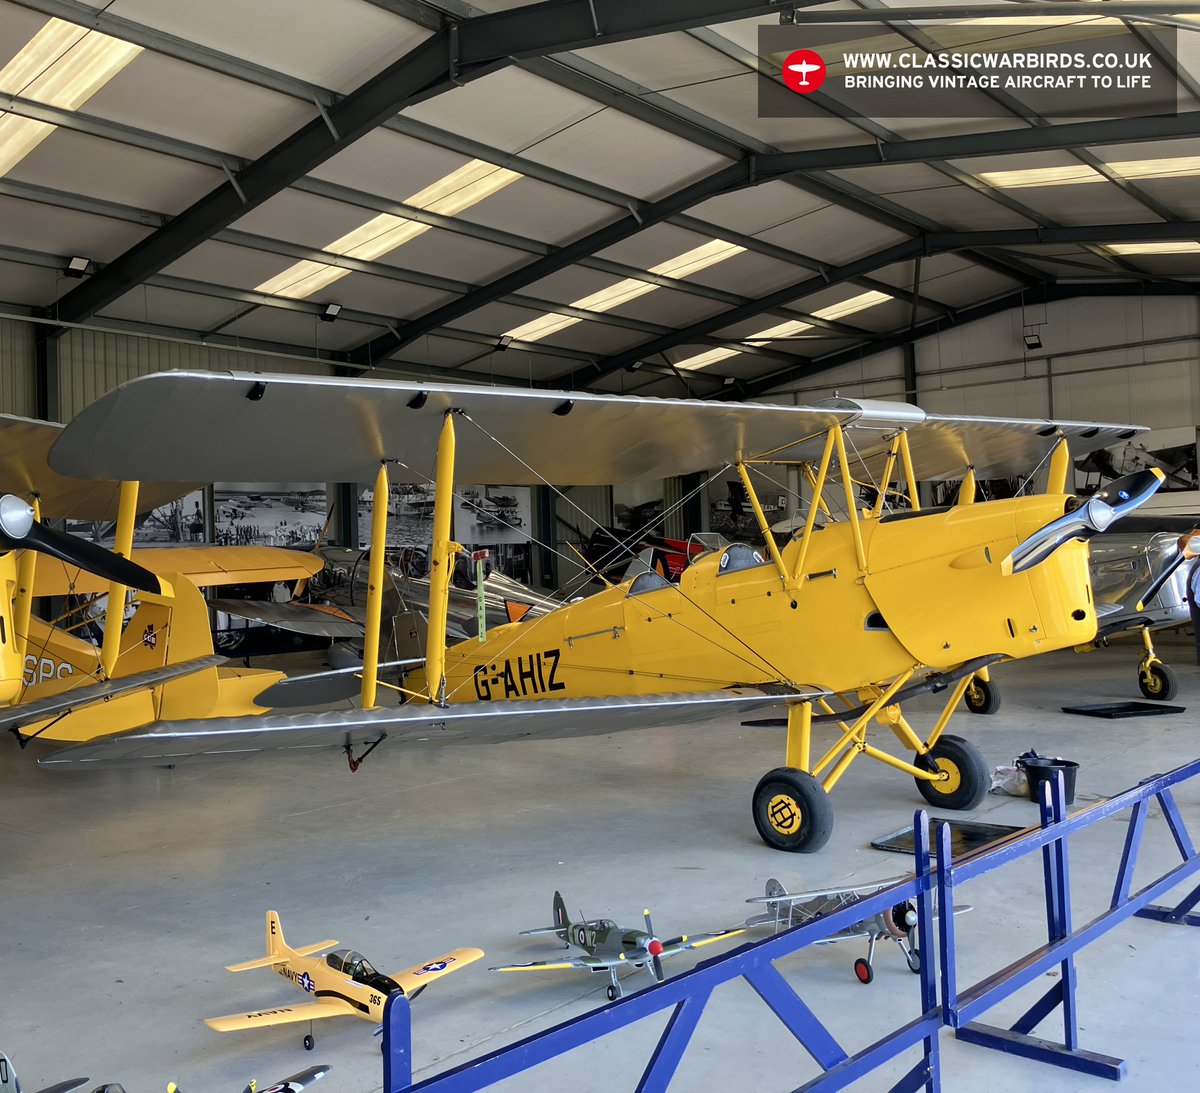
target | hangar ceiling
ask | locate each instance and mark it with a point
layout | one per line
(575, 193)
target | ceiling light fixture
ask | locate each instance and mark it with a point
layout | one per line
(62, 65)
(788, 329)
(1033, 340)
(78, 267)
(679, 267)
(331, 312)
(382, 234)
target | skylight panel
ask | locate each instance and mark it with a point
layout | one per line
(382, 234)
(62, 65)
(1074, 174)
(786, 330)
(1177, 247)
(679, 267)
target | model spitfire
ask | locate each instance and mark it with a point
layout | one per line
(856, 611)
(342, 983)
(609, 948)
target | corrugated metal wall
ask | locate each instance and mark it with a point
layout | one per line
(1120, 359)
(17, 391)
(92, 362)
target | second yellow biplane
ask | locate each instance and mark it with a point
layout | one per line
(858, 609)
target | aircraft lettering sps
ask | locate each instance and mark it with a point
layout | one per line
(39, 669)
(519, 677)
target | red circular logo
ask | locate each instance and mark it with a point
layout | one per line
(804, 71)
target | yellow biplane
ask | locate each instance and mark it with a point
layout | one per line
(858, 609)
(50, 668)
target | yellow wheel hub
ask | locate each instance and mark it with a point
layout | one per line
(783, 813)
(953, 778)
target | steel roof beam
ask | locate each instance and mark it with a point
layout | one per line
(933, 243)
(764, 168)
(465, 51)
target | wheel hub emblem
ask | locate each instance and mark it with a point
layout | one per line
(783, 814)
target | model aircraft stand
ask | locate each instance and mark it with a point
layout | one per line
(962, 1007)
(687, 994)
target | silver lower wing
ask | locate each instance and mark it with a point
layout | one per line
(166, 743)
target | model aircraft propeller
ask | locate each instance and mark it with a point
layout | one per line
(20, 531)
(1090, 518)
(654, 947)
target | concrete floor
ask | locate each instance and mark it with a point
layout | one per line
(125, 893)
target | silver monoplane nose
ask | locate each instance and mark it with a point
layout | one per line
(1117, 499)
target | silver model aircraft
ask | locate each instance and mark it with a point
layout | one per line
(609, 947)
(897, 923)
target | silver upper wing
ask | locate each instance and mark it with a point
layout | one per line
(24, 448)
(167, 743)
(284, 428)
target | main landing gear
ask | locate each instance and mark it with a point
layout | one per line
(791, 803)
(309, 1042)
(613, 990)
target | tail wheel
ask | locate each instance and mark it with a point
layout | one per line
(966, 780)
(792, 811)
(982, 696)
(1158, 682)
(863, 971)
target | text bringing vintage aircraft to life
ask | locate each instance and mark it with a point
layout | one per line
(897, 923)
(609, 947)
(857, 610)
(342, 983)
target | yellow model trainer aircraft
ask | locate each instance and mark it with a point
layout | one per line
(858, 609)
(342, 983)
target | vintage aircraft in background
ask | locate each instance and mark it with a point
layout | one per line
(897, 923)
(858, 610)
(343, 983)
(9, 1082)
(1139, 585)
(609, 947)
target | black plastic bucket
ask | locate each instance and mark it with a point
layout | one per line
(1039, 769)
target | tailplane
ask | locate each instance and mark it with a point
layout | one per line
(278, 950)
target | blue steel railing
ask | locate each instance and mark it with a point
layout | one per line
(687, 995)
(961, 1007)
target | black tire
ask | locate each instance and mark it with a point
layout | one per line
(792, 811)
(309, 1042)
(612, 993)
(982, 697)
(863, 971)
(1158, 682)
(913, 956)
(969, 779)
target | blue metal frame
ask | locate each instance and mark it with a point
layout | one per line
(686, 996)
(960, 1008)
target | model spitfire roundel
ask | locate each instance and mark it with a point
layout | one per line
(857, 609)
